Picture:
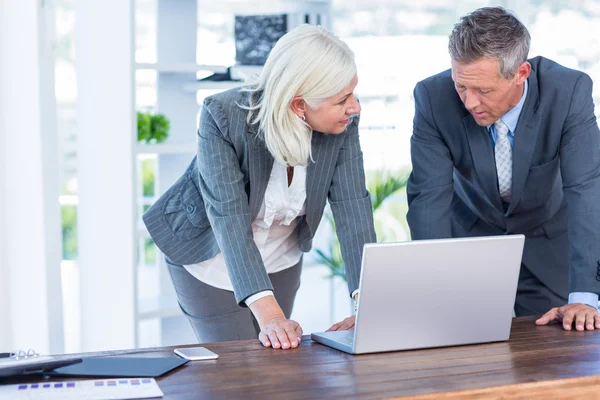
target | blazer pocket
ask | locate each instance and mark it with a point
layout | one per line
(185, 212)
(542, 169)
(542, 180)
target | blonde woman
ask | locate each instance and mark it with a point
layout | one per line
(233, 228)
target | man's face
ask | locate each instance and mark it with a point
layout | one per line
(486, 94)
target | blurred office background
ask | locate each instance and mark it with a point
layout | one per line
(80, 80)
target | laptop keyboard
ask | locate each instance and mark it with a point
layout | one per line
(347, 339)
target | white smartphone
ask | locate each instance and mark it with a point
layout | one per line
(196, 353)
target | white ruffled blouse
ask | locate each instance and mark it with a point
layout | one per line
(273, 229)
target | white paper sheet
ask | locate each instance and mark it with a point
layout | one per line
(96, 389)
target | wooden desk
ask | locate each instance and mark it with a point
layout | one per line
(535, 362)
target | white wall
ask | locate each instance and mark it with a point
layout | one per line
(30, 230)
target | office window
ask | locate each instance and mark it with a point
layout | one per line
(566, 32)
(397, 44)
(66, 100)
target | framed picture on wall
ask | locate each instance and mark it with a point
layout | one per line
(255, 36)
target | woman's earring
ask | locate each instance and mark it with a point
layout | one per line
(303, 118)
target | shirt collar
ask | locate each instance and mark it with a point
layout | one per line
(511, 118)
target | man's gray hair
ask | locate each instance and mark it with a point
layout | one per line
(490, 32)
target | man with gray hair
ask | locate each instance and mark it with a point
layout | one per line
(503, 145)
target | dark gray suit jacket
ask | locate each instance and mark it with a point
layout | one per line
(453, 189)
(212, 206)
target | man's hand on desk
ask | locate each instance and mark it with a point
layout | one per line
(275, 330)
(584, 317)
(345, 325)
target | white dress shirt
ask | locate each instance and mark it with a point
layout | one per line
(273, 231)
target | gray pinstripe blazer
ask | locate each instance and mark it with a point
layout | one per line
(212, 206)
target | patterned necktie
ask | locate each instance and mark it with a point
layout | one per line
(503, 153)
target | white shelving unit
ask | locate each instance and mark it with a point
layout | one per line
(176, 22)
(177, 87)
(166, 148)
(193, 87)
(180, 67)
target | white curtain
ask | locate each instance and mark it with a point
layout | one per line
(30, 245)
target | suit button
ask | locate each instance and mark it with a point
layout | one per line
(190, 208)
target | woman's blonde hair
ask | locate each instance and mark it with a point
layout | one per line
(309, 62)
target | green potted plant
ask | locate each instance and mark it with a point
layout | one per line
(381, 185)
(152, 128)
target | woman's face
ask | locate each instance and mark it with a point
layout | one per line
(333, 115)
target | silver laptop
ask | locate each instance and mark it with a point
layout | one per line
(433, 293)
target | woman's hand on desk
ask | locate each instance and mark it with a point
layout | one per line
(275, 330)
(345, 325)
(280, 333)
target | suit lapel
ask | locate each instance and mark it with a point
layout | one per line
(260, 164)
(525, 140)
(317, 173)
(483, 158)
